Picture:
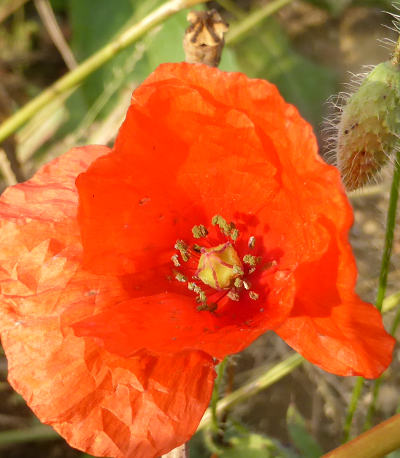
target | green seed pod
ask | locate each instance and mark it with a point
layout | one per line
(369, 128)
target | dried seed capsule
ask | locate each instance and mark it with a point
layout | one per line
(369, 127)
(204, 38)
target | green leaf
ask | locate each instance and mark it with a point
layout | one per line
(301, 438)
(267, 53)
(94, 24)
(251, 445)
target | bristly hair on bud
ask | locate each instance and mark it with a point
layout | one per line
(366, 134)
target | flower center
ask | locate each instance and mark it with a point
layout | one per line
(219, 266)
(214, 270)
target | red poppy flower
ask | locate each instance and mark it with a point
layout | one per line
(211, 221)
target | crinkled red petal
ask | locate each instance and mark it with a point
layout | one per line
(170, 322)
(329, 325)
(140, 407)
(243, 153)
(101, 403)
(197, 142)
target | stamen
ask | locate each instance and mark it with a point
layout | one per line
(251, 260)
(181, 246)
(197, 248)
(202, 297)
(193, 287)
(209, 307)
(227, 229)
(175, 260)
(246, 285)
(199, 231)
(180, 277)
(234, 234)
(238, 270)
(233, 295)
(253, 295)
(218, 267)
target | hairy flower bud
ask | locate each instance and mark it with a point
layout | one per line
(369, 126)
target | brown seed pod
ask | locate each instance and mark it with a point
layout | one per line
(204, 38)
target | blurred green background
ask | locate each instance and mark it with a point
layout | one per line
(309, 49)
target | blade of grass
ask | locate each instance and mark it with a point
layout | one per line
(76, 76)
(36, 433)
(49, 20)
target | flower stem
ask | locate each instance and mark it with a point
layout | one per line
(215, 394)
(376, 442)
(390, 225)
(357, 390)
(253, 387)
(378, 382)
(78, 75)
(387, 252)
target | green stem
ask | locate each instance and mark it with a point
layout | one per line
(387, 252)
(378, 382)
(36, 433)
(377, 442)
(357, 390)
(391, 302)
(390, 225)
(253, 387)
(75, 77)
(215, 394)
(254, 19)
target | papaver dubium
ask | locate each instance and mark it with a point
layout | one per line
(123, 280)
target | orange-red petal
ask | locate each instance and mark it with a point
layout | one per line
(140, 407)
(170, 322)
(198, 142)
(329, 324)
(101, 403)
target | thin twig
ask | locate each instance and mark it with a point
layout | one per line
(53, 29)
